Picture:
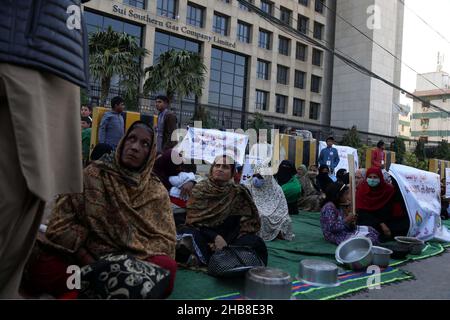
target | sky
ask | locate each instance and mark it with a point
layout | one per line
(420, 43)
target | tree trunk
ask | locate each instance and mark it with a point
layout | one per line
(105, 85)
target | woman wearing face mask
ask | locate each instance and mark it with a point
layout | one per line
(375, 201)
(310, 198)
(272, 207)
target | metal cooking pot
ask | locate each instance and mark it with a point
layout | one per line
(318, 273)
(416, 245)
(268, 284)
(381, 256)
(355, 253)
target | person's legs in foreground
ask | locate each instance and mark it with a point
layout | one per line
(20, 210)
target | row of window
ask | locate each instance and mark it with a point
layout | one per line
(263, 72)
(298, 107)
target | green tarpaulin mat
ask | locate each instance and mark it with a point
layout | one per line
(308, 244)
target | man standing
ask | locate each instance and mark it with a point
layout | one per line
(167, 124)
(378, 156)
(329, 156)
(40, 134)
(112, 126)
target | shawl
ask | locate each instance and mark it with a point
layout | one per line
(272, 207)
(210, 204)
(372, 199)
(119, 211)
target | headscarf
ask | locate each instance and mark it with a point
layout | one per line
(323, 179)
(286, 171)
(304, 171)
(372, 199)
(165, 168)
(119, 211)
(272, 206)
(210, 204)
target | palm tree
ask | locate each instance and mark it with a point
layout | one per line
(115, 53)
(180, 73)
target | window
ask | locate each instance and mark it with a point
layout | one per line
(135, 3)
(243, 32)
(167, 8)
(319, 6)
(226, 1)
(301, 51)
(220, 24)
(316, 84)
(263, 69)
(317, 57)
(285, 15)
(267, 7)
(298, 108)
(318, 30)
(262, 100)
(425, 123)
(227, 84)
(303, 24)
(280, 106)
(264, 39)
(304, 2)
(244, 8)
(165, 41)
(299, 81)
(195, 15)
(282, 74)
(314, 111)
(283, 45)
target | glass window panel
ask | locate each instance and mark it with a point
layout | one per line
(215, 75)
(226, 88)
(115, 24)
(227, 78)
(228, 56)
(228, 66)
(162, 38)
(226, 100)
(216, 64)
(237, 102)
(238, 91)
(214, 86)
(213, 98)
(239, 70)
(238, 81)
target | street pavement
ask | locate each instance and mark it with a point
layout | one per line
(432, 282)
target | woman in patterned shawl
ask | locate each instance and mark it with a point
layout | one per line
(124, 209)
(272, 206)
(219, 213)
(310, 198)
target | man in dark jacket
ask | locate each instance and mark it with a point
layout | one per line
(167, 124)
(43, 63)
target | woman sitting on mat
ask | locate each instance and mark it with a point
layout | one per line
(310, 198)
(336, 220)
(219, 213)
(124, 209)
(272, 206)
(289, 182)
(323, 178)
(381, 206)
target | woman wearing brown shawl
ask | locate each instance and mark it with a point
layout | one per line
(310, 198)
(219, 213)
(124, 209)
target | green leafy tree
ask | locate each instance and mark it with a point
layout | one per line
(443, 150)
(411, 160)
(203, 115)
(420, 150)
(351, 138)
(112, 54)
(398, 146)
(180, 73)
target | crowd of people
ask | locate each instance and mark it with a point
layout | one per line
(138, 206)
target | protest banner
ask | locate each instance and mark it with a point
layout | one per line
(207, 144)
(447, 183)
(421, 192)
(343, 155)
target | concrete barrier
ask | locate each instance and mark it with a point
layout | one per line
(299, 151)
(438, 166)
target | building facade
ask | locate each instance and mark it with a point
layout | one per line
(404, 122)
(428, 123)
(252, 65)
(358, 99)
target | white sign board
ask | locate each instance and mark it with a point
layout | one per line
(421, 192)
(207, 144)
(343, 152)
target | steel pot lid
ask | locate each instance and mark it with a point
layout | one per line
(269, 275)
